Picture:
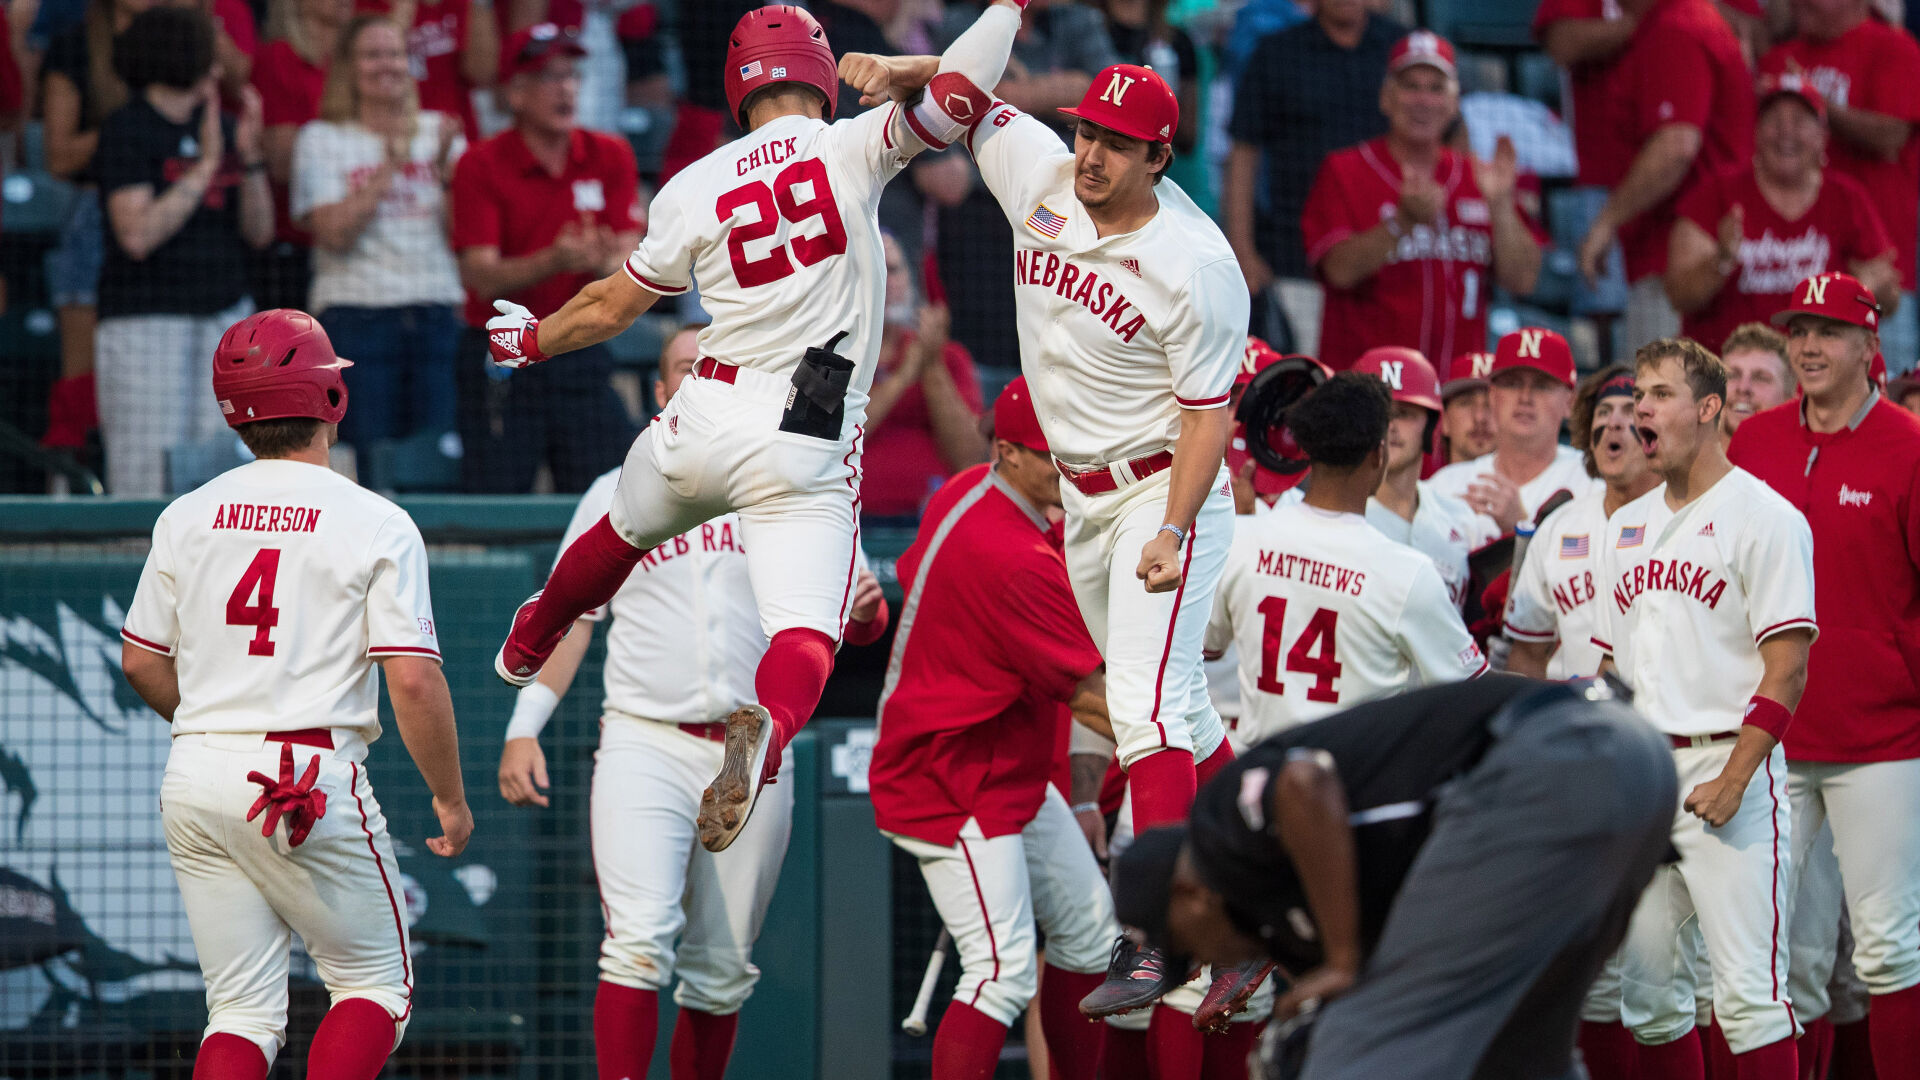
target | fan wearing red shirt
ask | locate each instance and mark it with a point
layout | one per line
(538, 212)
(1850, 461)
(1865, 70)
(1405, 233)
(453, 48)
(990, 643)
(1745, 237)
(1586, 37)
(1685, 105)
(290, 72)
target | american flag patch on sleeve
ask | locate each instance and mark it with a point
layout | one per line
(1632, 536)
(1046, 222)
(1573, 547)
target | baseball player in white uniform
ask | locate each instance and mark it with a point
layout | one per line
(682, 645)
(1405, 508)
(1705, 608)
(1327, 612)
(778, 228)
(269, 595)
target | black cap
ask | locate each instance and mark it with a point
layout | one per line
(1143, 881)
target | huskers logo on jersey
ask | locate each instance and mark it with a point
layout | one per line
(1083, 287)
(1671, 575)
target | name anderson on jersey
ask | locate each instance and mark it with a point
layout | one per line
(253, 518)
(1325, 575)
(1679, 576)
(1083, 287)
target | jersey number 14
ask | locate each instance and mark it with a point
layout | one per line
(1312, 652)
(262, 616)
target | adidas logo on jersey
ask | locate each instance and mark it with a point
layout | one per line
(1850, 497)
(1706, 530)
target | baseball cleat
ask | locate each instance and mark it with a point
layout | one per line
(1232, 988)
(516, 662)
(728, 801)
(1137, 976)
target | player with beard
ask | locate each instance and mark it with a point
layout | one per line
(1466, 418)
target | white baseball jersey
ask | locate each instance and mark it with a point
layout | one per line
(1686, 596)
(704, 669)
(1440, 530)
(1568, 471)
(1117, 333)
(778, 228)
(275, 587)
(1327, 613)
(1551, 595)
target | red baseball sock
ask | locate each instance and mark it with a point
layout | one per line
(1814, 1049)
(1853, 1051)
(967, 1046)
(1073, 1042)
(1678, 1060)
(1125, 1055)
(1162, 786)
(790, 678)
(1221, 757)
(1774, 1061)
(702, 1044)
(626, 1022)
(1176, 1050)
(1227, 1053)
(1721, 1064)
(229, 1057)
(353, 1042)
(1896, 1034)
(589, 572)
(1609, 1051)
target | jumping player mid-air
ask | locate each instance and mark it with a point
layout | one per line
(778, 228)
(269, 596)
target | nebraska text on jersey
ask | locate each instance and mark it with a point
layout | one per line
(1672, 575)
(1083, 287)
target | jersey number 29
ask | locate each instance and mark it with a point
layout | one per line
(263, 616)
(774, 203)
(1312, 653)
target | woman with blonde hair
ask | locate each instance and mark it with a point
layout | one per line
(369, 182)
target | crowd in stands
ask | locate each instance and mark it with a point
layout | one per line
(396, 166)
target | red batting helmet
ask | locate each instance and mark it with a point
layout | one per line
(775, 44)
(1405, 371)
(278, 364)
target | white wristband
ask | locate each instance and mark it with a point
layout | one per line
(531, 710)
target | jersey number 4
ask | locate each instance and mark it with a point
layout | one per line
(773, 204)
(1312, 653)
(262, 616)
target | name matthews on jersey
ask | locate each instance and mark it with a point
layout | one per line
(249, 517)
(1679, 576)
(1311, 572)
(1050, 271)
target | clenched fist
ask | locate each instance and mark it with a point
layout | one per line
(513, 336)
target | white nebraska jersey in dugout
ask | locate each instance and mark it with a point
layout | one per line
(1686, 597)
(1553, 592)
(275, 587)
(1327, 613)
(1117, 333)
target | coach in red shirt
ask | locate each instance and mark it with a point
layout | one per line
(1409, 236)
(1850, 460)
(990, 643)
(538, 211)
(1684, 104)
(1866, 71)
(1745, 237)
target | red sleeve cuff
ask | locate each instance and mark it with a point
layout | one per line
(1769, 716)
(651, 285)
(402, 650)
(132, 638)
(866, 633)
(1203, 403)
(1601, 645)
(1790, 624)
(1518, 634)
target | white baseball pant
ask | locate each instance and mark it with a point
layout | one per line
(719, 447)
(1156, 682)
(1736, 879)
(991, 892)
(1814, 939)
(247, 895)
(151, 379)
(1874, 808)
(657, 883)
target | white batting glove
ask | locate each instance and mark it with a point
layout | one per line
(513, 336)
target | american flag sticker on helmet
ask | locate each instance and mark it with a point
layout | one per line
(748, 71)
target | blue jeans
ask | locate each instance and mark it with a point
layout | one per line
(402, 379)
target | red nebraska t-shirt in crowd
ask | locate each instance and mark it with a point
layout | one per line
(1432, 293)
(1683, 66)
(1598, 140)
(987, 647)
(1861, 495)
(902, 463)
(290, 90)
(1875, 67)
(435, 43)
(1777, 254)
(504, 198)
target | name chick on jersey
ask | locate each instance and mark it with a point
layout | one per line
(249, 517)
(1673, 575)
(711, 540)
(1308, 571)
(1082, 286)
(771, 152)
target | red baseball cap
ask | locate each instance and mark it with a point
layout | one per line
(528, 49)
(1254, 360)
(1534, 347)
(1469, 372)
(1132, 100)
(1835, 296)
(1405, 371)
(1014, 419)
(1790, 84)
(1422, 47)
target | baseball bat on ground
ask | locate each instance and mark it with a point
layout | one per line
(916, 1022)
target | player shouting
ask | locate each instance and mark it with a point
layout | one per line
(270, 594)
(789, 262)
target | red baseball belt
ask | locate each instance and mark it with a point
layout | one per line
(1682, 742)
(1099, 479)
(716, 730)
(709, 368)
(313, 736)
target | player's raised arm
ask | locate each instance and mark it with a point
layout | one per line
(958, 84)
